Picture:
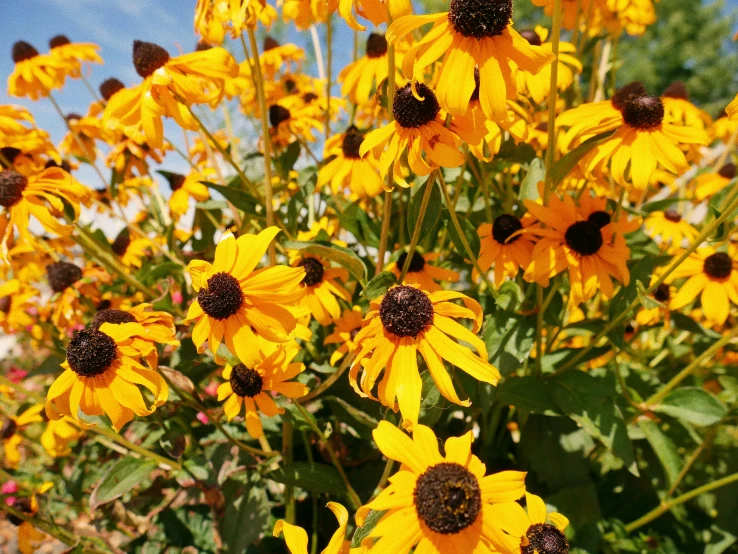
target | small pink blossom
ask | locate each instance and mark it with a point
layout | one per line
(202, 418)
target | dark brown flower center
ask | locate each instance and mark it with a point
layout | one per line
(504, 226)
(644, 112)
(309, 97)
(448, 498)
(148, 57)
(544, 538)
(662, 293)
(475, 94)
(8, 429)
(122, 242)
(718, 265)
(202, 46)
(411, 112)
(245, 382)
(23, 505)
(631, 90)
(175, 180)
(727, 171)
(313, 271)
(62, 275)
(109, 87)
(222, 297)
(480, 18)
(531, 36)
(673, 216)
(270, 43)
(278, 114)
(417, 263)
(678, 89)
(351, 144)
(111, 316)
(600, 218)
(64, 165)
(8, 154)
(5, 303)
(59, 40)
(90, 352)
(12, 185)
(406, 311)
(376, 45)
(584, 237)
(23, 51)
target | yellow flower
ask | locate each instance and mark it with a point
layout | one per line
(274, 55)
(186, 187)
(58, 435)
(131, 249)
(29, 538)
(530, 532)
(235, 302)
(421, 272)
(575, 10)
(170, 86)
(348, 173)
(42, 196)
(248, 384)
(712, 276)
(74, 53)
(358, 79)
(670, 226)
(297, 540)
(346, 329)
(373, 10)
(504, 247)
(322, 289)
(471, 34)
(708, 183)
(101, 374)
(583, 240)
(306, 13)
(214, 17)
(10, 436)
(658, 315)
(440, 504)
(15, 296)
(417, 129)
(35, 75)
(406, 322)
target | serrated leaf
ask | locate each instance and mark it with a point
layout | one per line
(692, 405)
(311, 476)
(342, 256)
(126, 474)
(432, 212)
(379, 284)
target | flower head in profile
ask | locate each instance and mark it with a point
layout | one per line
(74, 53)
(418, 130)
(472, 34)
(422, 272)
(710, 183)
(438, 503)
(360, 78)
(376, 11)
(408, 321)
(15, 304)
(236, 302)
(346, 328)
(184, 187)
(215, 18)
(505, 247)
(348, 173)
(10, 433)
(252, 387)
(670, 227)
(102, 373)
(297, 539)
(323, 288)
(58, 436)
(36, 75)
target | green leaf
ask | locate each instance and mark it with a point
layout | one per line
(692, 405)
(529, 186)
(561, 168)
(432, 212)
(659, 205)
(379, 285)
(360, 416)
(526, 393)
(355, 220)
(370, 522)
(120, 479)
(239, 198)
(342, 256)
(313, 477)
(510, 295)
(245, 515)
(646, 300)
(469, 232)
(152, 273)
(664, 448)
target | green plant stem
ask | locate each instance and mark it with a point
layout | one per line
(325, 385)
(328, 74)
(353, 498)
(384, 233)
(706, 442)
(288, 432)
(539, 328)
(429, 184)
(67, 537)
(658, 396)
(266, 138)
(707, 232)
(552, 96)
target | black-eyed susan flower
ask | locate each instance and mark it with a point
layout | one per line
(376, 11)
(131, 247)
(323, 288)
(471, 34)
(101, 376)
(213, 18)
(658, 315)
(358, 79)
(505, 247)
(435, 503)
(585, 240)
(292, 118)
(709, 183)
(574, 10)
(348, 173)
(16, 305)
(29, 538)
(74, 53)
(724, 127)
(405, 322)
(59, 435)
(236, 302)
(248, 386)
(297, 539)
(35, 75)
(43, 196)
(346, 328)
(418, 130)
(73, 288)
(533, 532)
(275, 56)
(670, 228)
(305, 13)
(170, 86)
(422, 272)
(185, 187)
(712, 276)
(11, 437)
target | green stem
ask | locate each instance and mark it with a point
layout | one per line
(67, 537)
(325, 385)
(429, 184)
(288, 432)
(539, 328)
(706, 442)
(707, 232)
(384, 233)
(328, 74)
(552, 96)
